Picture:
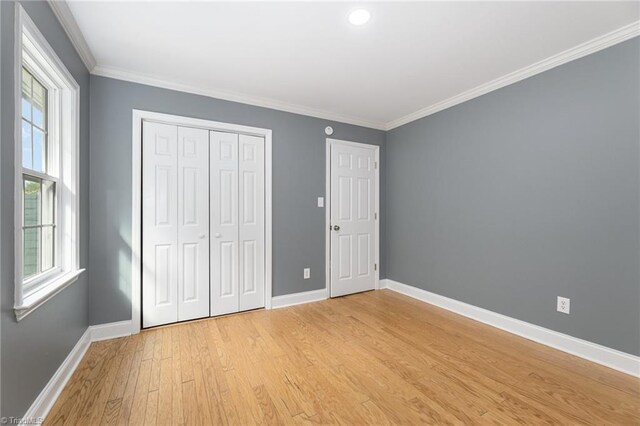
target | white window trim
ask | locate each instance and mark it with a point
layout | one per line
(67, 94)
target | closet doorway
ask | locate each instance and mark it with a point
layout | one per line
(203, 219)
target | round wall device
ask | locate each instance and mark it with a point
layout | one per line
(328, 130)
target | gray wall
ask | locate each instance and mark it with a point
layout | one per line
(34, 348)
(528, 193)
(298, 179)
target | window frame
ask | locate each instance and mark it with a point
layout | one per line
(34, 53)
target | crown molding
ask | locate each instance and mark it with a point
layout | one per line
(63, 13)
(614, 37)
(150, 80)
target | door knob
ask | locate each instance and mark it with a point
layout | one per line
(218, 235)
(202, 236)
(336, 227)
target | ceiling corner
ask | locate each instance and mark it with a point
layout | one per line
(597, 44)
(63, 13)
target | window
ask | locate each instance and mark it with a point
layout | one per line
(38, 186)
(46, 171)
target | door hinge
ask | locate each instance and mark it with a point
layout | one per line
(375, 216)
(375, 164)
(375, 266)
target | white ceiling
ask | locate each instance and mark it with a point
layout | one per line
(307, 57)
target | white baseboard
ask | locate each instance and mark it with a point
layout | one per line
(603, 355)
(43, 403)
(110, 330)
(298, 298)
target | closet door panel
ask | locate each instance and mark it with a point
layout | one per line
(193, 223)
(159, 224)
(251, 222)
(224, 223)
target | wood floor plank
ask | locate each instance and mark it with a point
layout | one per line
(371, 358)
(151, 414)
(154, 380)
(122, 376)
(185, 354)
(190, 404)
(202, 396)
(94, 407)
(165, 397)
(177, 405)
(130, 389)
(111, 412)
(269, 410)
(141, 395)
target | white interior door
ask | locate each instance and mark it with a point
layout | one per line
(352, 219)
(224, 223)
(193, 223)
(251, 222)
(159, 224)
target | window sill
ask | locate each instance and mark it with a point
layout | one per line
(38, 298)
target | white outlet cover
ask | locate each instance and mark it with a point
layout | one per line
(320, 201)
(307, 273)
(564, 305)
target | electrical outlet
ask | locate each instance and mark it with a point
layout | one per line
(564, 305)
(307, 273)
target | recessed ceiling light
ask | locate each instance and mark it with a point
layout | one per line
(359, 17)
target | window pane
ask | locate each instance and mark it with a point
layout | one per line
(39, 94)
(31, 254)
(39, 153)
(26, 94)
(48, 202)
(34, 124)
(39, 231)
(39, 101)
(31, 202)
(26, 108)
(26, 83)
(38, 116)
(27, 155)
(48, 241)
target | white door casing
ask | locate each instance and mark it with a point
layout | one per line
(353, 217)
(159, 224)
(224, 223)
(193, 223)
(251, 222)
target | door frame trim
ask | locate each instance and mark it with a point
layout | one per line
(136, 197)
(376, 149)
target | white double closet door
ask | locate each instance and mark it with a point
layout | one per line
(202, 223)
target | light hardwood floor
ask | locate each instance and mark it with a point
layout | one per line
(371, 358)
